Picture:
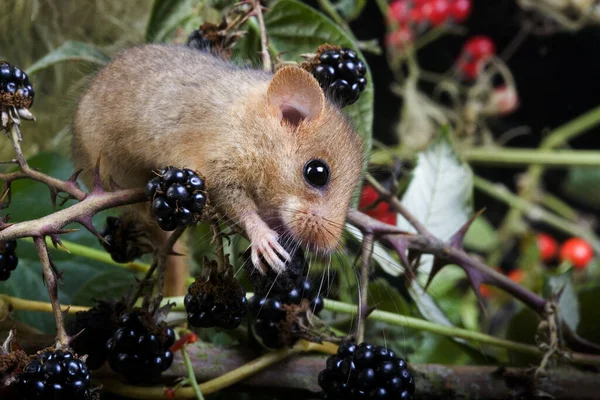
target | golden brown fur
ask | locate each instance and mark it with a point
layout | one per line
(248, 132)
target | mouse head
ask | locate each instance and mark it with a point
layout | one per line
(322, 160)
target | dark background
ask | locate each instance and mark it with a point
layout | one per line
(556, 77)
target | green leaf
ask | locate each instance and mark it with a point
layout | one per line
(583, 186)
(295, 28)
(387, 298)
(70, 51)
(481, 236)
(522, 328)
(350, 9)
(105, 285)
(166, 16)
(440, 193)
(568, 303)
(589, 327)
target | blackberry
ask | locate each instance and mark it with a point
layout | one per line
(219, 301)
(340, 73)
(54, 374)
(124, 239)
(198, 40)
(8, 258)
(15, 88)
(366, 371)
(93, 328)
(278, 317)
(272, 282)
(139, 348)
(178, 197)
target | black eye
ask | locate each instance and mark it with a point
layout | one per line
(316, 172)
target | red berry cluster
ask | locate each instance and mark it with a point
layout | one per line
(475, 51)
(410, 17)
(575, 250)
(429, 12)
(382, 211)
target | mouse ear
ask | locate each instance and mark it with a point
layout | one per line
(297, 95)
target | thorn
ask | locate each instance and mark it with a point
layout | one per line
(88, 224)
(456, 241)
(437, 266)
(57, 242)
(476, 279)
(402, 249)
(73, 178)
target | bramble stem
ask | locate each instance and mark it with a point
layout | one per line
(522, 157)
(264, 39)
(191, 374)
(50, 278)
(16, 303)
(367, 251)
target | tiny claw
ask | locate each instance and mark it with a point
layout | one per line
(257, 262)
(97, 178)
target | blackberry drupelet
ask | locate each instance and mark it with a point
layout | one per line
(15, 88)
(93, 328)
(54, 374)
(366, 371)
(219, 301)
(8, 258)
(340, 73)
(178, 197)
(139, 348)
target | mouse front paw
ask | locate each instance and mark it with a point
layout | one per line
(265, 247)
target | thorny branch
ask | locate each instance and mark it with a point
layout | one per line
(264, 40)
(409, 246)
(363, 307)
(53, 225)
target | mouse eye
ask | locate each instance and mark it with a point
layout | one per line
(316, 172)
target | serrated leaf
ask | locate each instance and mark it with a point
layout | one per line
(70, 51)
(295, 28)
(350, 9)
(166, 16)
(105, 285)
(481, 236)
(568, 303)
(583, 186)
(439, 194)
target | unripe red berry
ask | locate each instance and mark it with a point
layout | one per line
(479, 47)
(436, 11)
(577, 251)
(460, 10)
(547, 247)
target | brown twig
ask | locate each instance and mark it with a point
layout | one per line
(161, 262)
(363, 308)
(50, 278)
(264, 39)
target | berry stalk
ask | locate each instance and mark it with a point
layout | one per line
(50, 277)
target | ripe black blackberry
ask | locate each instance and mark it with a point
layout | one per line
(340, 73)
(219, 301)
(139, 348)
(8, 258)
(366, 371)
(178, 197)
(93, 328)
(15, 88)
(278, 318)
(275, 283)
(124, 240)
(54, 374)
